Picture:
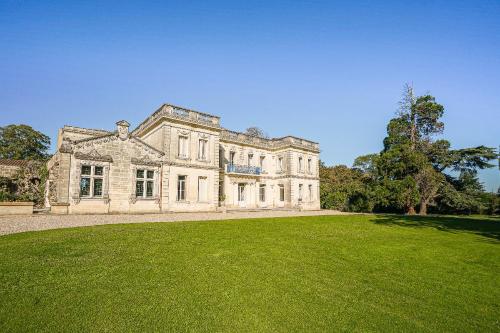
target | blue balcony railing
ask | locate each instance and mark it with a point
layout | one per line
(251, 170)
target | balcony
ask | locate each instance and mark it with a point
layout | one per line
(244, 169)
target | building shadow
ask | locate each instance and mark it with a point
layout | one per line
(484, 226)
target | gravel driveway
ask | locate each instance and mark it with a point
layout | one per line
(21, 223)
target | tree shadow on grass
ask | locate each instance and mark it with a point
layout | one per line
(483, 226)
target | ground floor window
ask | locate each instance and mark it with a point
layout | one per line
(282, 192)
(241, 192)
(202, 189)
(311, 192)
(262, 192)
(91, 181)
(144, 184)
(181, 188)
(300, 192)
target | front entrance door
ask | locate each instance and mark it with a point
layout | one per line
(241, 195)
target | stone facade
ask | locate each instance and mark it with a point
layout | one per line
(179, 160)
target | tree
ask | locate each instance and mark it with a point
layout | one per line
(21, 142)
(428, 181)
(343, 188)
(256, 132)
(414, 169)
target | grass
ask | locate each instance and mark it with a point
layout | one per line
(328, 273)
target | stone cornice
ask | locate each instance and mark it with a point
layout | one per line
(268, 144)
(81, 130)
(196, 166)
(176, 113)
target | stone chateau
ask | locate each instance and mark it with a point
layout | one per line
(179, 160)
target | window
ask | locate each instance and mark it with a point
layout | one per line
(202, 149)
(282, 192)
(310, 192)
(309, 165)
(91, 181)
(181, 188)
(250, 158)
(262, 192)
(241, 192)
(261, 163)
(202, 189)
(231, 157)
(183, 146)
(300, 192)
(144, 183)
(300, 164)
(280, 164)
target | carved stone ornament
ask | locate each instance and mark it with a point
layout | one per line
(93, 155)
(145, 160)
(65, 148)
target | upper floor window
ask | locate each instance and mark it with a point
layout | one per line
(261, 162)
(301, 167)
(202, 149)
(183, 146)
(181, 188)
(231, 157)
(309, 165)
(144, 183)
(250, 159)
(280, 163)
(91, 181)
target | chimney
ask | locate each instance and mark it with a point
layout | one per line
(122, 128)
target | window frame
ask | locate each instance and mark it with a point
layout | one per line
(145, 180)
(205, 178)
(262, 192)
(281, 192)
(181, 147)
(204, 156)
(92, 177)
(301, 194)
(182, 190)
(280, 163)
(232, 156)
(262, 158)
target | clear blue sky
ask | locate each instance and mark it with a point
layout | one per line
(329, 71)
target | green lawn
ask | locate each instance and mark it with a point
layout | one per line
(335, 273)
